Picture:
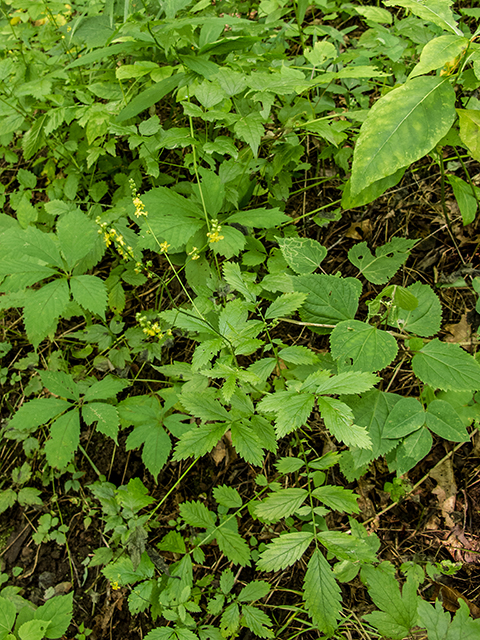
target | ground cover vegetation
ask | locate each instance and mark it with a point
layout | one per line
(239, 314)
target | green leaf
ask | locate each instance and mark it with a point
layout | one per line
(292, 409)
(90, 293)
(8, 613)
(254, 591)
(259, 218)
(303, 255)
(338, 418)
(425, 319)
(247, 444)
(250, 129)
(29, 496)
(370, 193)
(33, 630)
(37, 412)
(257, 621)
(233, 276)
(105, 415)
(233, 546)
(405, 417)
(388, 259)
(230, 620)
(467, 203)
(43, 309)
(149, 97)
(345, 383)
(368, 348)
(402, 127)
(439, 623)
(375, 14)
(34, 138)
(413, 449)
(26, 272)
(438, 52)
(322, 593)
(337, 498)
(199, 440)
(470, 130)
(227, 496)
(64, 439)
(289, 465)
(447, 367)
(398, 611)
(204, 406)
(32, 242)
(7, 500)
(196, 514)
(436, 11)
(284, 551)
(346, 546)
(231, 244)
(442, 419)
(60, 384)
(76, 234)
(105, 389)
(280, 504)
(156, 445)
(285, 305)
(297, 355)
(330, 299)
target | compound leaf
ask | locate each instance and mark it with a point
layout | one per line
(64, 439)
(322, 593)
(338, 418)
(43, 309)
(280, 504)
(90, 293)
(284, 551)
(37, 412)
(442, 419)
(227, 496)
(156, 445)
(76, 234)
(106, 417)
(60, 383)
(447, 367)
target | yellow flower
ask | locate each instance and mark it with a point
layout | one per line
(115, 586)
(164, 246)
(214, 236)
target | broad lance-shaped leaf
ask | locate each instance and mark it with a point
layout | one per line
(466, 200)
(370, 193)
(90, 293)
(436, 11)
(106, 417)
(76, 234)
(438, 52)
(368, 348)
(388, 259)
(64, 439)
(303, 255)
(233, 545)
(447, 367)
(338, 418)
(43, 309)
(425, 319)
(402, 127)
(280, 504)
(284, 551)
(322, 594)
(285, 305)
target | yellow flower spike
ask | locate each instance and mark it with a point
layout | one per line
(164, 246)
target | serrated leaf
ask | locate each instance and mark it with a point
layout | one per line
(259, 218)
(337, 498)
(447, 367)
(26, 272)
(233, 276)
(233, 546)
(43, 309)
(64, 439)
(439, 623)
(289, 465)
(346, 546)
(105, 415)
(105, 389)
(38, 411)
(425, 319)
(338, 418)
(280, 504)
(368, 348)
(196, 514)
(442, 419)
(347, 383)
(204, 406)
(230, 620)
(303, 255)
(413, 449)
(406, 416)
(34, 138)
(227, 496)
(257, 621)
(58, 612)
(321, 593)
(330, 299)
(155, 443)
(285, 305)
(199, 441)
(284, 551)
(60, 384)
(402, 127)
(436, 11)
(247, 444)
(90, 293)
(398, 610)
(250, 129)
(388, 259)
(76, 234)
(292, 409)
(7, 500)
(32, 242)
(254, 591)
(297, 355)
(33, 630)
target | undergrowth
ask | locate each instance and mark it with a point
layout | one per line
(151, 155)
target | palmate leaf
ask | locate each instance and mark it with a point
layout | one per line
(284, 551)
(439, 623)
(155, 443)
(388, 259)
(321, 593)
(90, 293)
(105, 415)
(38, 411)
(233, 546)
(199, 441)
(330, 299)
(292, 409)
(43, 309)
(280, 504)
(402, 127)
(447, 367)
(368, 348)
(64, 439)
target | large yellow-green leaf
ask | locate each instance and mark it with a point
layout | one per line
(470, 130)
(402, 127)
